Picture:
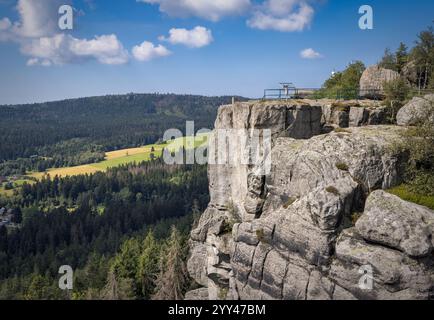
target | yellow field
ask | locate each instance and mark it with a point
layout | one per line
(125, 156)
(68, 171)
(131, 152)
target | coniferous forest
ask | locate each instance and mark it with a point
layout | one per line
(123, 231)
(114, 229)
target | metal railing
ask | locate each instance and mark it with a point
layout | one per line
(338, 94)
(280, 93)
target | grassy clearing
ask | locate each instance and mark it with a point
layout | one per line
(126, 156)
(16, 184)
(132, 151)
(404, 193)
(7, 193)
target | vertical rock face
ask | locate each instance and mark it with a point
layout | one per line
(287, 233)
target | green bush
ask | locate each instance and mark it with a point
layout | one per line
(260, 234)
(342, 166)
(405, 193)
(419, 144)
(344, 84)
(333, 190)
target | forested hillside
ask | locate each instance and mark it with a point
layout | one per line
(84, 221)
(78, 131)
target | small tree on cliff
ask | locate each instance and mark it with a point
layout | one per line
(173, 278)
(401, 57)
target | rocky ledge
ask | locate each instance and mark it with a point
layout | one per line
(318, 225)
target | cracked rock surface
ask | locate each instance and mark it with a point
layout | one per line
(290, 233)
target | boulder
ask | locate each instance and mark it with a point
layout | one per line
(398, 224)
(416, 111)
(393, 275)
(372, 80)
(358, 116)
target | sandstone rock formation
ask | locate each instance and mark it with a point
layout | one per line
(373, 78)
(290, 233)
(417, 110)
(397, 224)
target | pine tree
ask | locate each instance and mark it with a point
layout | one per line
(126, 263)
(117, 288)
(401, 57)
(173, 277)
(148, 265)
(388, 61)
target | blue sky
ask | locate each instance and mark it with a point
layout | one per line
(234, 52)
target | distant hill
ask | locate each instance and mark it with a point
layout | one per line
(106, 122)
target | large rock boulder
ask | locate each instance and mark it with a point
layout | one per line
(393, 275)
(418, 110)
(372, 80)
(398, 224)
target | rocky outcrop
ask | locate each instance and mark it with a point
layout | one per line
(372, 271)
(398, 224)
(345, 114)
(372, 80)
(289, 233)
(418, 110)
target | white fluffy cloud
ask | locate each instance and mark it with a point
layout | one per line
(37, 34)
(195, 38)
(279, 15)
(61, 49)
(212, 10)
(282, 15)
(148, 51)
(37, 18)
(310, 54)
(107, 49)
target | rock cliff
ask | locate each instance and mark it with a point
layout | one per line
(317, 225)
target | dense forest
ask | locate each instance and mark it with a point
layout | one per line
(113, 229)
(78, 131)
(124, 231)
